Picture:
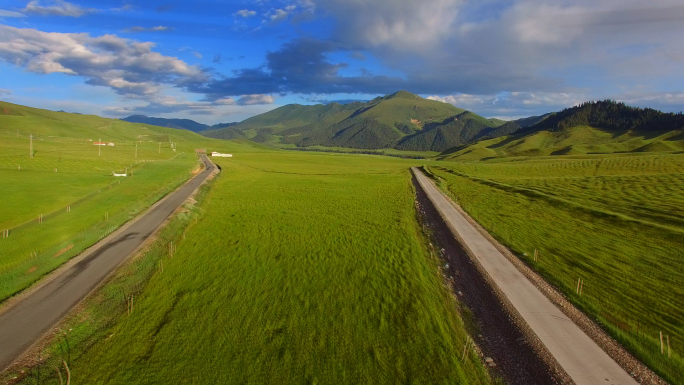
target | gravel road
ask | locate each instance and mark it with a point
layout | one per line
(580, 357)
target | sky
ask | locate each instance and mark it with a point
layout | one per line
(223, 61)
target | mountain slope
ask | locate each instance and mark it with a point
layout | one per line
(45, 123)
(591, 128)
(182, 124)
(401, 120)
(532, 120)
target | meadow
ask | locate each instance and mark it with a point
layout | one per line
(304, 268)
(69, 184)
(616, 221)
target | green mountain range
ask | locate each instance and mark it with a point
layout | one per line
(591, 128)
(183, 124)
(401, 120)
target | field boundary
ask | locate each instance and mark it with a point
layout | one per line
(17, 298)
(617, 352)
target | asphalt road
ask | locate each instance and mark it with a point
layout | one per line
(28, 320)
(583, 360)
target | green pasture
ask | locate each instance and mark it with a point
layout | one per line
(304, 268)
(69, 182)
(615, 221)
(580, 140)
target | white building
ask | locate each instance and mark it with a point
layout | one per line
(218, 154)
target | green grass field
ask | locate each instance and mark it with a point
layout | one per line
(68, 171)
(304, 268)
(615, 221)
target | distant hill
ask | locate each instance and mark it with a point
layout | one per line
(41, 123)
(590, 128)
(532, 120)
(183, 124)
(401, 120)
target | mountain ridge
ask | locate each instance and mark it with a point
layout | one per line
(401, 120)
(597, 127)
(182, 124)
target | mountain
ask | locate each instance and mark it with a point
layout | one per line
(401, 120)
(590, 128)
(532, 120)
(183, 124)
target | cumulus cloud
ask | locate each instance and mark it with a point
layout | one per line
(404, 25)
(244, 13)
(452, 46)
(248, 100)
(128, 67)
(56, 8)
(159, 28)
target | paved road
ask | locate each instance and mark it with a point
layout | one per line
(583, 360)
(27, 321)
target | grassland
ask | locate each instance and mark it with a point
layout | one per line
(69, 182)
(614, 221)
(580, 140)
(304, 268)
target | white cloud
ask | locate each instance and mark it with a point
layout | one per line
(276, 15)
(245, 13)
(513, 103)
(4, 13)
(541, 23)
(667, 101)
(248, 100)
(403, 25)
(128, 67)
(166, 104)
(197, 54)
(57, 8)
(159, 28)
(225, 102)
(5, 92)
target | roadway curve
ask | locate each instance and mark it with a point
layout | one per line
(581, 358)
(29, 319)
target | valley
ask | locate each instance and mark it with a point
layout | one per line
(318, 260)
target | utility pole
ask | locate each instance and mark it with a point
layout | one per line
(31, 145)
(136, 148)
(99, 145)
(160, 147)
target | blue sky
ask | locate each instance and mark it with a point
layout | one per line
(221, 61)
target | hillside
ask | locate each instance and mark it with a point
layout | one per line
(183, 124)
(591, 128)
(401, 120)
(43, 124)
